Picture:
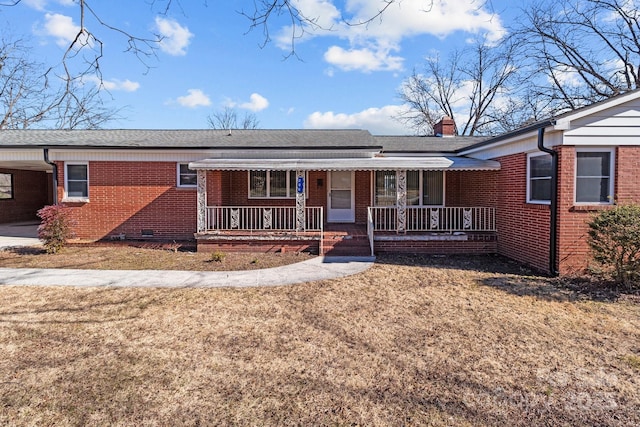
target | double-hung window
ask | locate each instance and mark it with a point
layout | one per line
(273, 184)
(6, 186)
(186, 176)
(76, 180)
(594, 176)
(539, 178)
(424, 188)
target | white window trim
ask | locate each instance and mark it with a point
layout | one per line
(421, 205)
(290, 185)
(67, 198)
(612, 173)
(178, 184)
(529, 199)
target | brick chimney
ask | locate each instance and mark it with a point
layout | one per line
(445, 127)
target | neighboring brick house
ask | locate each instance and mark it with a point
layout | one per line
(337, 191)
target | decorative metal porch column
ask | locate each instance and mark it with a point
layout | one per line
(202, 200)
(401, 201)
(300, 201)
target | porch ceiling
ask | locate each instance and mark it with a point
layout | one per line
(373, 163)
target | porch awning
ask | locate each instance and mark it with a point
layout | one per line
(372, 163)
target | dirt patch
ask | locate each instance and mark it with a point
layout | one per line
(412, 341)
(143, 257)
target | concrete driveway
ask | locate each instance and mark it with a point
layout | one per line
(19, 234)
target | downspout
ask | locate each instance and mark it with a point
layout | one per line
(54, 175)
(553, 226)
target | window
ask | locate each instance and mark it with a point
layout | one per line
(272, 184)
(385, 190)
(539, 178)
(76, 180)
(424, 188)
(6, 186)
(594, 180)
(186, 176)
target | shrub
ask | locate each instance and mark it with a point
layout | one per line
(55, 228)
(218, 256)
(614, 238)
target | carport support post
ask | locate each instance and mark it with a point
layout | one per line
(202, 200)
(300, 201)
(401, 201)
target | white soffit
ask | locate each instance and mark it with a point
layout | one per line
(374, 163)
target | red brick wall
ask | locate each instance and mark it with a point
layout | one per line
(477, 244)
(523, 228)
(471, 188)
(127, 197)
(363, 195)
(31, 191)
(573, 250)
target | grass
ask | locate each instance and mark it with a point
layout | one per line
(126, 257)
(412, 341)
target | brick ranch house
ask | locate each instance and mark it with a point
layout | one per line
(526, 194)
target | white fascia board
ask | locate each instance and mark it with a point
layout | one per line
(127, 155)
(564, 122)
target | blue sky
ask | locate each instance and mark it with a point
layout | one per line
(344, 76)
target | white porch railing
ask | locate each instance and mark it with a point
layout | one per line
(444, 219)
(261, 218)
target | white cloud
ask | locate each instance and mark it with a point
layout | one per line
(195, 98)
(256, 102)
(175, 38)
(115, 84)
(567, 77)
(368, 47)
(364, 60)
(35, 4)
(42, 4)
(61, 27)
(379, 121)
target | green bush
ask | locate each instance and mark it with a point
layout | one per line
(614, 237)
(218, 256)
(55, 228)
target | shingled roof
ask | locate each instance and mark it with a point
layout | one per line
(188, 139)
(421, 144)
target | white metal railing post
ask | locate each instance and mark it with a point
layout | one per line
(370, 229)
(435, 219)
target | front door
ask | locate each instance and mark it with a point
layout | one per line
(341, 200)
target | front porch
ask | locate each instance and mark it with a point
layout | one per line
(435, 230)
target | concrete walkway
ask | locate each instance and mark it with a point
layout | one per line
(319, 268)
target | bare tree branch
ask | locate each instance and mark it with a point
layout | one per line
(227, 119)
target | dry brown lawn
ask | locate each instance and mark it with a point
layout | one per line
(146, 257)
(412, 341)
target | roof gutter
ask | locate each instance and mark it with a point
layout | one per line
(54, 177)
(553, 226)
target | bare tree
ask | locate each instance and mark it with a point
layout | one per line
(580, 51)
(468, 87)
(227, 119)
(29, 99)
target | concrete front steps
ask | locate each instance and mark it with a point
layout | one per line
(348, 241)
